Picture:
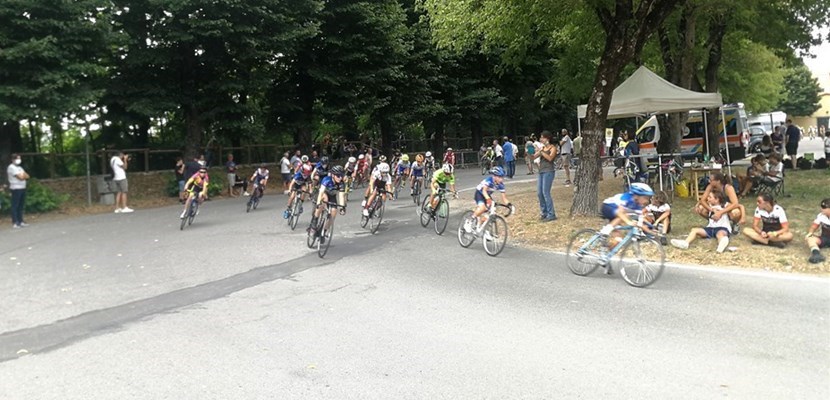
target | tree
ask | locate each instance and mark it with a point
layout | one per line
(800, 93)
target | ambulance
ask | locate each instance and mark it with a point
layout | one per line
(694, 133)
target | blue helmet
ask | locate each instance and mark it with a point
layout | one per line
(641, 189)
(497, 171)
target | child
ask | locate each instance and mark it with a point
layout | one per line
(821, 225)
(659, 212)
(720, 228)
(753, 174)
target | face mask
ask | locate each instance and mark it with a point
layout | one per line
(17, 161)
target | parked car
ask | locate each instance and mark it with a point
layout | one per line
(756, 135)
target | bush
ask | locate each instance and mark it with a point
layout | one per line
(172, 189)
(39, 199)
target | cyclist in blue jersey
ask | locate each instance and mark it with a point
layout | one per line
(330, 186)
(321, 169)
(301, 180)
(483, 195)
(616, 209)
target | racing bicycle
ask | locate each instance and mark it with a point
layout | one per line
(493, 231)
(440, 214)
(320, 236)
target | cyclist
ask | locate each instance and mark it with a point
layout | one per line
(416, 173)
(260, 178)
(483, 198)
(429, 161)
(196, 186)
(330, 186)
(303, 161)
(362, 167)
(351, 167)
(396, 158)
(440, 180)
(301, 180)
(402, 169)
(321, 169)
(380, 180)
(616, 209)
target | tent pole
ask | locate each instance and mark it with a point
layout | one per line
(726, 143)
(578, 125)
(706, 130)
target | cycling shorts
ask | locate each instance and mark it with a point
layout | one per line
(418, 173)
(440, 186)
(379, 184)
(609, 211)
(298, 185)
(480, 200)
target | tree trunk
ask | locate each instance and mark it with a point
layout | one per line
(142, 137)
(386, 136)
(717, 30)
(306, 93)
(193, 133)
(10, 142)
(475, 130)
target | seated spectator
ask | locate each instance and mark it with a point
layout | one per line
(766, 146)
(735, 210)
(819, 235)
(719, 227)
(774, 172)
(658, 213)
(770, 225)
(754, 173)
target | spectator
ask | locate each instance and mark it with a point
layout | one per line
(577, 145)
(314, 157)
(119, 163)
(791, 138)
(827, 147)
(530, 149)
(770, 225)
(191, 168)
(499, 152)
(296, 160)
(778, 138)
(754, 173)
(658, 213)
(736, 211)
(179, 170)
(773, 171)
(822, 131)
(819, 234)
(17, 177)
(509, 157)
(547, 172)
(449, 157)
(285, 171)
(766, 147)
(566, 147)
(716, 228)
(230, 169)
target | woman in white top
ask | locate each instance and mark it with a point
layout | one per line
(770, 225)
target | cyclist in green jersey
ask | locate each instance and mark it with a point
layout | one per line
(440, 180)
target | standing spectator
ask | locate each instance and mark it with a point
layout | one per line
(509, 157)
(449, 157)
(530, 150)
(778, 138)
(566, 147)
(119, 164)
(827, 148)
(499, 153)
(577, 144)
(515, 157)
(230, 169)
(793, 135)
(17, 184)
(314, 157)
(296, 160)
(770, 225)
(822, 131)
(179, 170)
(285, 171)
(547, 172)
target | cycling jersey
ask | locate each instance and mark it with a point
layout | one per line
(429, 162)
(260, 174)
(489, 184)
(196, 183)
(417, 169)
(402, 167)
(321, 169)
(773, 220)
(611, 205)
(350, 167)
(330, 186)
(376, 175)
(361, 164)
(442, 178)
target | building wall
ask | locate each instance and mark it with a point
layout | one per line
(823, 111)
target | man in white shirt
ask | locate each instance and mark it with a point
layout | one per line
(498, 151)
(17, 184)
(566, 148)
(285, 171)
(119, 162)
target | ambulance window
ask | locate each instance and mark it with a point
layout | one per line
(646, 135)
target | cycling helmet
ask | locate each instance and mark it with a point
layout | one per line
(324, 160)
(449, 148)
(383, 168)
(202, 168)
(263, 165)
(405, 157)
(419, 158)
(337, 171)
(352, 160)
(382, 158)
(641, 189)
(361, 157)
(497, 171)
(304, 158)
(429, 154)
(447, 168)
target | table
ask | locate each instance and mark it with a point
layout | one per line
(696, 172)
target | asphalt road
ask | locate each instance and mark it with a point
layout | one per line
(127, 306)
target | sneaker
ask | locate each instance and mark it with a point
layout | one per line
(488, 236)
(117, 210)
(608, 269)
(468, 226)
(301, 208)
(363, 203)
(816, 257)
(22, 224)
(15, 226)
(736, 229)
(664, 241)
(779, 245)
(127, 210)
(366, 212)
(550, 218)
(246, 194)
(722, 243)
(286, 214)
(183, 214)
(680, 244)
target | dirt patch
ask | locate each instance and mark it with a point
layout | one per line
(527, 230)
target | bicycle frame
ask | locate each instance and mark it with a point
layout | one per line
(631, 231)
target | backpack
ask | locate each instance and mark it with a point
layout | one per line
(804, 163)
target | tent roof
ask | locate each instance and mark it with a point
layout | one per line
(646, 92)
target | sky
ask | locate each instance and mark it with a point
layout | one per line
(820, 65)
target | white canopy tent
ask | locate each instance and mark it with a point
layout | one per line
(646, 92)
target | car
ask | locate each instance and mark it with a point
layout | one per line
(756, 135)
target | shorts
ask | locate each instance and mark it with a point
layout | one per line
(792, 148)
(418, 173)
(286, 178)
(824, 242)
(181, 186)
(566, 160)
(440, 186)
(298, 185)
(379, 184)
(609, 211)
(231, 180)
(480, 200)
(712, 233)
(121, 186)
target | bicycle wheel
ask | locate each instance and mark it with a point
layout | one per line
(250, 203)
(416, 193)
(377, 217)
(311, 240)
(642, 261)
(484, 168)
(186, 217)
(495, 235)
(465, 239)
(442, 216)
(426, 216)
(256, 201)
(325, 238)
(194, 208)
(295, 213)
(584, 252)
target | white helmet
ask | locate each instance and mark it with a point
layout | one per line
(383, 168)
(352, 160)
(429, 154)
(449, 148)
(304, 158)
(361, 157)
(447, 168)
